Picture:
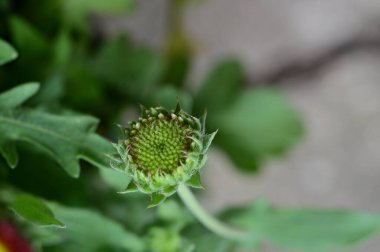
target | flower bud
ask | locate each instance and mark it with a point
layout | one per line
(161, 151)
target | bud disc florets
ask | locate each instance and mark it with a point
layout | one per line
(162, 150)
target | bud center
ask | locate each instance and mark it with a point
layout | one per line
(159, 145)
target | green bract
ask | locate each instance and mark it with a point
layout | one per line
(162, 150)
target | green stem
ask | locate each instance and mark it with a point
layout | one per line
(206, 219)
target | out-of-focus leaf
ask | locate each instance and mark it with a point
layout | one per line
(132, 71)
(206, 241)
(62, 49)
(17, 95)
(179, 51)
(168, 240)
(220, 87)
(168, 97)
(177, 69)
(51, 91)
(40, 175)
(80, 81)
(88, 230)
(76, 12)
(27, 39)
(164, 240)
(65, 138)
(7, 52)
(34, 210)
(256, 125)
(306, 229)
(9, 152)
(115, 179)
(170, 211)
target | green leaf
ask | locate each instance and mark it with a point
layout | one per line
(64, 138)
(28, 40)
(306, 229)
(220, 87)
(257, 125)
(9, 152)
(7, 52)
(17, 95)
(34, 210)
(89, 231)
(62, 49)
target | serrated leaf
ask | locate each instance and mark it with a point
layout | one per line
(9, 152)
(34, 210)
(17, 95)
(307, 229)
(195, 181)
(64, 138)
(81, 234)
(7, 52)
(131, 187)
(157, 199)
(260, 123)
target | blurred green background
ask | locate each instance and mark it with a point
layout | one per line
(104, 58)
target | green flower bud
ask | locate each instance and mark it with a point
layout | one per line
(162, 150)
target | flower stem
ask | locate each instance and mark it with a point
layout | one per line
(206, 219)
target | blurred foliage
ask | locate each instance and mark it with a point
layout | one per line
(304, 229)
(43, 136)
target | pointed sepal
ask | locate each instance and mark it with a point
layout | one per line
(207, 140)
(168, 191)
(121, 151)
(142, 108)
(118, 164)
(202, 120)
(122, 129)
(130, 188)
(195, 181)
(202, 161)
(177, 107)
(157, 198)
